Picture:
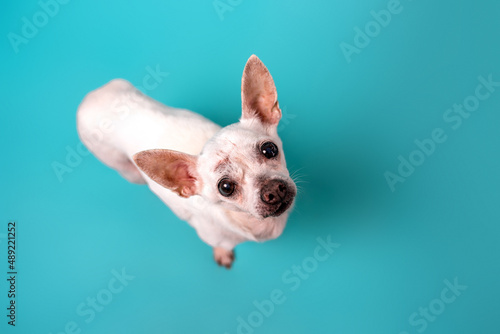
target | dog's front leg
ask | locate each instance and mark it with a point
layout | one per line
(223, 257)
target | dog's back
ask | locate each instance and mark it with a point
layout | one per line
(116, 121)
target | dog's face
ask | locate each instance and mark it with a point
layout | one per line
(243, 166)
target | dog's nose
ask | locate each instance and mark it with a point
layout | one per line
(273, 192)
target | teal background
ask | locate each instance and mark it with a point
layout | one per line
(345, 124)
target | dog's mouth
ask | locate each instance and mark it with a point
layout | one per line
(281, 209)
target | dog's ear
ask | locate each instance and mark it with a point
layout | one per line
(173, 170)
(258, 93)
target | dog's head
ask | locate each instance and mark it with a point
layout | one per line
(243, 166)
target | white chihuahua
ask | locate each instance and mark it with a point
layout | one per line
(231, 184)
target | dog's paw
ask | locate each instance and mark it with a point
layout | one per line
(223, 257)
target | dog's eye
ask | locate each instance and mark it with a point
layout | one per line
(226, 187)
(269, 149)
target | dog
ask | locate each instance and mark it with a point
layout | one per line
(231, 184)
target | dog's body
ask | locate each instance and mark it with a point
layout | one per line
(184, 157)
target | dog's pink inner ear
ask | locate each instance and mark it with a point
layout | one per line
(173, 170)
(258, 93)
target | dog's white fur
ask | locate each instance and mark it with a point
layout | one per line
(142, 139)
